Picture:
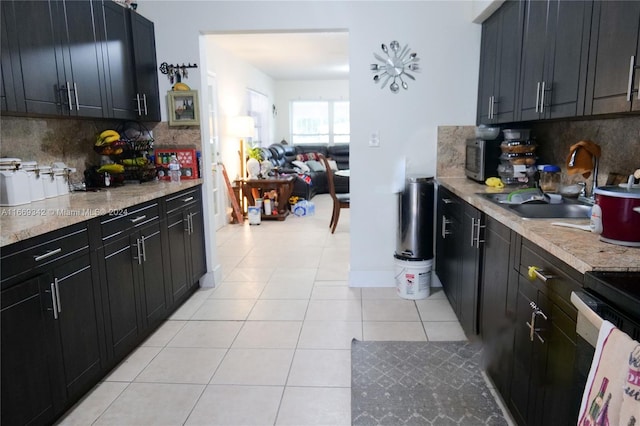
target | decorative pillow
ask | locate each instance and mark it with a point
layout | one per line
(301, 165)
(333, 165)
(308, 156)
(315, 166)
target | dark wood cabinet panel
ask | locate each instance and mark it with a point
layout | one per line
(176, 226)
(613, 81)
(554, 59)
(146, 69)
(118, 60)
(495, 321)
(502, 36)
(151, 274)
(27, 353)
(122, 311)
(458, 253)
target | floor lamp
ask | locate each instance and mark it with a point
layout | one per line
(242, 127)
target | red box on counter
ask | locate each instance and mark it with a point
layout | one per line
(186, 157)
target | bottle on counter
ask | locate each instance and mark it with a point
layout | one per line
(174, 169)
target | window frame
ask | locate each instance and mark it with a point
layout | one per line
(331, 135)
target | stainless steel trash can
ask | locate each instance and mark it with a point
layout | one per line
(415, 220)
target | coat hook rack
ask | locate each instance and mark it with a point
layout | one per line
(176, 72)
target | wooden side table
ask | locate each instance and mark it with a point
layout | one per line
(283, 185)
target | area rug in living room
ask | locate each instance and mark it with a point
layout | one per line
(420, 383)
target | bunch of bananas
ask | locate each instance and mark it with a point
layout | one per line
(138, 161)
(107, 137)
(180, 86)
(111, 168)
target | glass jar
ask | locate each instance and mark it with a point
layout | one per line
(549, 178)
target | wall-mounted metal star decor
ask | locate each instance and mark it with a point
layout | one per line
(395, 65)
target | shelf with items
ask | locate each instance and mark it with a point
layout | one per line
(188, 159)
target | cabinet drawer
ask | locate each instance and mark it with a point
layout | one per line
(555, 278)
(182, 199)
(21, 259)
(451, 205)
(114, 225)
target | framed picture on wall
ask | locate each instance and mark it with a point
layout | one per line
(183, 108)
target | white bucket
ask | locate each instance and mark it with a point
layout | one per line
(413, 278)
(253, 213)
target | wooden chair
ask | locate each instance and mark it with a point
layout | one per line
(340, 201)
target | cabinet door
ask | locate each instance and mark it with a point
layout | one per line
(118, 60)
(613, 53)
(123, 313)
(534, 41)
(495, 325)
(509, 47)
(469, 251)
(82, 56)
(7, 57)
(144, 51)
(177, 228)
(197, 249)
(27, 369)
(41, 89)
(488, 62)
(567, 52)
(79, 326)
(152, 274)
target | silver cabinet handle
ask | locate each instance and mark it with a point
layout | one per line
(57, 287)
(542, 276)
(533, 331)
(537, 96)
(447, 200)
(630, 86)
(191, 223)
(144, 102)
(473, 232)
(444, 232)
(53, 301)
(138, 102)
(490, 106)
(542, 98)
(47, 254)
(69, 96)
(138, 219)
(75, 93)
(186, 200)
(479, 226)
(138, 252)
(144, 249)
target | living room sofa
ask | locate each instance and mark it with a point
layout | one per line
(288, 158)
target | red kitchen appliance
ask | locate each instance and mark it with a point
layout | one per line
(186, 157)
(620, 206)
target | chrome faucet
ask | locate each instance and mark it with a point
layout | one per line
(591, 197)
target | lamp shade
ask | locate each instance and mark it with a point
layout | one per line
(242, 126)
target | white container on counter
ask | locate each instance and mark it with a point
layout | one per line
(48, 181)
(36, 186)
(60, 177)
(14, 183)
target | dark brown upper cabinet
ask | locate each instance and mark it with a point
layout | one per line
(554, 59)
(614, 58)
(499, 64)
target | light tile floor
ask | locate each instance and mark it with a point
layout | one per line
(271, 344)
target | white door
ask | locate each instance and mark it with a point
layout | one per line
(219, 186)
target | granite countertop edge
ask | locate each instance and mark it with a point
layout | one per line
(18, 223)
(580, 249)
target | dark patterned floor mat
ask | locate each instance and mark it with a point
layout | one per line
(420, 383)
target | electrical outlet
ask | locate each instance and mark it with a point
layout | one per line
(374, 140)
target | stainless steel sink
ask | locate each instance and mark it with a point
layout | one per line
(568, 209)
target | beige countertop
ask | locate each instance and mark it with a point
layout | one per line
(581, 249)
(21, 222)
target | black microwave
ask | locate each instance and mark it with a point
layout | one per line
(481, 159)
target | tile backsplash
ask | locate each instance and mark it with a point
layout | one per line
(619, 139)
(70, 141)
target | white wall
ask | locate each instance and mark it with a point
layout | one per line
(234, 77)
(444, 93)
(287, 91)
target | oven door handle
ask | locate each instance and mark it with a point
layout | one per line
(588, 322)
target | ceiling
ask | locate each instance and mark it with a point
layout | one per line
(291, 56)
